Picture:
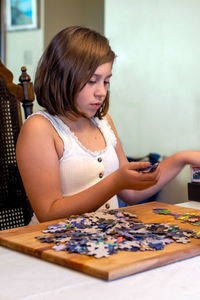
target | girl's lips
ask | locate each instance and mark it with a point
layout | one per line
(97, 105)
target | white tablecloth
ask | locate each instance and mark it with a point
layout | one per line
(26, 277)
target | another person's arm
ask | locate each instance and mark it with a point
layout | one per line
(169, 169)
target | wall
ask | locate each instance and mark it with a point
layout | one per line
(155, 91)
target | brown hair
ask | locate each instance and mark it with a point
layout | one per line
(67, 65)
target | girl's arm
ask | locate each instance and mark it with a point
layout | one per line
(38, 162)
(169, 169)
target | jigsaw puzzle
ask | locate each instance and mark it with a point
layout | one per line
(104, 233)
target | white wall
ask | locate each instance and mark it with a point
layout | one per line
(155, 90)
(22, 49)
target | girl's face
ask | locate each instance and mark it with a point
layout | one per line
(94, 92)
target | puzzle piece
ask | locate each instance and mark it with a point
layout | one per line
(98, 249)
(182, 240)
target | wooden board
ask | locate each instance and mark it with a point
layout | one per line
(116, 266)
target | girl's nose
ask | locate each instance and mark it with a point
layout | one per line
(101, 91)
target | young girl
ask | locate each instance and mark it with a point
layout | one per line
(69, 155)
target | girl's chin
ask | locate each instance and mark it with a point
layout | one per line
(90, 114)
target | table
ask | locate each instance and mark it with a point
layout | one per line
(26, 277)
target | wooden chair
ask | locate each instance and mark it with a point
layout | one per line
(15, 209)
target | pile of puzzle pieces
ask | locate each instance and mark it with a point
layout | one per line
(104, 233)
(191, 218)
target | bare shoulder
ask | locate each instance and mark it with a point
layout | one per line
(36, 129)
(119, 150)
(36, 125)
(111, 123)
(36, 121)
(108, 117)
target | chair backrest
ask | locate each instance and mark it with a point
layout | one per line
(15, 209)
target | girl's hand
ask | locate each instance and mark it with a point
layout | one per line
(130, 178)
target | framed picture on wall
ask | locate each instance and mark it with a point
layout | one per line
(21, 14)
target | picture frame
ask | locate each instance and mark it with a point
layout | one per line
(21, 15)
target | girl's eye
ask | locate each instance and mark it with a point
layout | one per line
(92, 81)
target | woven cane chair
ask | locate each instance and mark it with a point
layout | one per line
(15, 210)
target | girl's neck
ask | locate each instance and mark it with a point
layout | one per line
(78, 123)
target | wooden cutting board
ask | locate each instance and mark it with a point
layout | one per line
(116, 266)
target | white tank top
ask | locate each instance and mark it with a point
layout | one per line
(80, 167)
